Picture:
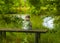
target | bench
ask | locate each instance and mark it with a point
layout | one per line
(37, 32)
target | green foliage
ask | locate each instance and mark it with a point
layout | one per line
(57, 22)
(7, 7)
(52, 36)
(10, 21)
(35, 3)
(37, 9)
(49, 7)
(10, 6)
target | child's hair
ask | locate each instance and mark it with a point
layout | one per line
(27, 16)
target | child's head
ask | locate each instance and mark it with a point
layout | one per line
(27, 17)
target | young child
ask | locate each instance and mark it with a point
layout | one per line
(27, 26)
(26, 23)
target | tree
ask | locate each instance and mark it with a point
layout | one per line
(49, 7)
(8, 6)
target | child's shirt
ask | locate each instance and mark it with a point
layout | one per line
(27, 25)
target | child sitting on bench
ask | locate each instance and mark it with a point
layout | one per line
(27, 26)
(26, 23)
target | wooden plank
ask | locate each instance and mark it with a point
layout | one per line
(19, 30)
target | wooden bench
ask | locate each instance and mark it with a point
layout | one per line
(37, 32)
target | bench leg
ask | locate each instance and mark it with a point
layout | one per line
(37, 37)
(4, 34)
(1, 38)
